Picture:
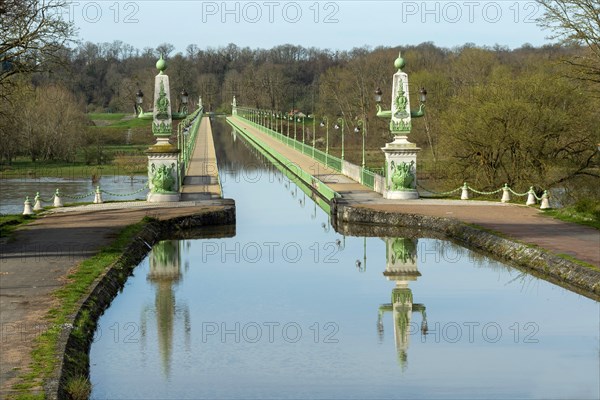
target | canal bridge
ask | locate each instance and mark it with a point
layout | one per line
(332, 183)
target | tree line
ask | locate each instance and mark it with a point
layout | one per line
(493, 115)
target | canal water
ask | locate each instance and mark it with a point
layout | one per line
(13, 191)
(288, 308)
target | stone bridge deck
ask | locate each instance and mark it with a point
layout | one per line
(201, 180)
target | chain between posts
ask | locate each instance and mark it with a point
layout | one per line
(91, 193)
(466, 186)
(260, 118)
(439, 193)
(125, 194)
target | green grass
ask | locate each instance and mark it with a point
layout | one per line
(57, 169)
(44, 354)
(10, 222)
(106, 116)
(126, 124)
(570, 214)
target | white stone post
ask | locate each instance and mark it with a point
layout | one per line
(530, 197)
(464, 195)
(38, 203)
(57, 200)
(27, 207)
(98, 196)
(545, 201)
(505, 194)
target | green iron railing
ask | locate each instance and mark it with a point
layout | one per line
(249, 115)
(187, 142)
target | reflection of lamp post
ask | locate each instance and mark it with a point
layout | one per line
(325, 123)
(360, 123)
(340, 122)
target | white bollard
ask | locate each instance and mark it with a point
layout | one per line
(98, 196)
(57, 199)
(27, 207)
(530, 197)
(465, 192)
(545, 201)
(505, 194)
(38, 203)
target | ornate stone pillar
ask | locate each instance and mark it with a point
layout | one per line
(400, 154)
(163, 160)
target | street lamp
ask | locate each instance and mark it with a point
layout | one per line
(360, 123)
(314, 133)
(325, 122)
(139, 99)
(340, 123)
(184, 101)
(378, 94)
(422, 95)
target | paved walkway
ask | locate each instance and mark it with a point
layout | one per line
(201, 180)
(526, 224)
(39, 256)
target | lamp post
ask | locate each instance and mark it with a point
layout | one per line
(139, 99)
(294, 126)
(184, 101)
(314, 133)
(340, 123)
(303, 131)
(361, 124)
(400, 154)
(325, 123)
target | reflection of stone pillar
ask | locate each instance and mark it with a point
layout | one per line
(164, 272)
(163, 162)
(401, 267)
(401, 260)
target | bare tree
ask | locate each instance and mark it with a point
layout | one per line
(576, 22)
(33, 34)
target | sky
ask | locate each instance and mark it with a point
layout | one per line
(335, 25)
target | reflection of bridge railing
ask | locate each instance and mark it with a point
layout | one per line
(366, 176)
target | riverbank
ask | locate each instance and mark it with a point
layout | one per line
(564, 253)
(43, 258)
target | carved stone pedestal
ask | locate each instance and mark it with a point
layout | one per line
(163, 179)
(401, 169)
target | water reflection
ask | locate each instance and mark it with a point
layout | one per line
(401, 267)
(164, 274)
(230, 289)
